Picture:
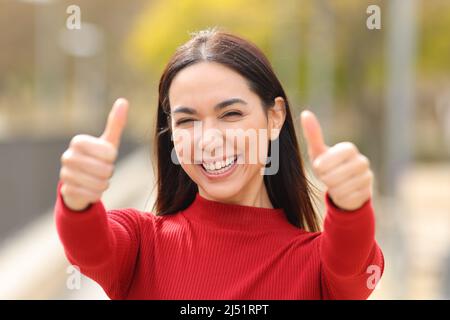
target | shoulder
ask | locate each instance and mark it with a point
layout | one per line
(127, 215)
(309, 236)
(132, 219)
(308, 240)
(133, 216)
(298, 237)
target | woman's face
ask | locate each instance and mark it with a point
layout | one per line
(220, 130)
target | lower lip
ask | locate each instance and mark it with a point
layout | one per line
(222, 175)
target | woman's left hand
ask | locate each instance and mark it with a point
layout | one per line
(345, 172)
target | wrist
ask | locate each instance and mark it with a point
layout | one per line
(337, 207)
(75, 207)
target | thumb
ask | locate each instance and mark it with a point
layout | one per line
(313, 134)
(117, 119)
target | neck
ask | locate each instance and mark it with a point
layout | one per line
(218, 214)
(253, 196)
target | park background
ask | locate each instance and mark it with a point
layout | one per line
(387, 90)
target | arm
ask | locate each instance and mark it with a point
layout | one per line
(350, 258)
(349, 254)
(104, 245)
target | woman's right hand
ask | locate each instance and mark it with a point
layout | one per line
(88, 163)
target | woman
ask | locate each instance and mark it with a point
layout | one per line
(224, 225)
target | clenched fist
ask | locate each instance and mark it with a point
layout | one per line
(88, 163)
(344, 171)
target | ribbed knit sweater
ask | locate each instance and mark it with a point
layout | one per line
(214, 250)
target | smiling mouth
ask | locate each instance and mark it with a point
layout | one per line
(220, 167)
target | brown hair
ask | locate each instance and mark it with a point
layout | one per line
(288, 189)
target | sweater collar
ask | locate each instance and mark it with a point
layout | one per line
(235, 216)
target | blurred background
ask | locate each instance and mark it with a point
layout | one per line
(386, 89)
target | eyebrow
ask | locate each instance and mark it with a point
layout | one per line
(217, 107)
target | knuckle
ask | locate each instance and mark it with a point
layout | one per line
(69, 190)
(350, 147)
(105, 185)
(109, 171)
(370, 175)
(342, 144)
(76, 140)
(63, 158)
(346, 146)
(67, 157)
(63, 174)
(364, 160)
(63, 189)
(317, 165)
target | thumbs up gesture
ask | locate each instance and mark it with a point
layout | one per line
(345, 172)
(88, 163)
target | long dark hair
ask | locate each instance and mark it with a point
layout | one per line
(288, 189)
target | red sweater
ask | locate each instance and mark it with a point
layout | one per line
(214, 250)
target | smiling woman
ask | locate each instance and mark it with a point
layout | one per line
(219, 228)
(225, 83)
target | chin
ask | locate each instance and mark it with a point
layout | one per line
(222, 189)
(220, 193)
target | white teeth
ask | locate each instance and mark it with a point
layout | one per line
(219, 166)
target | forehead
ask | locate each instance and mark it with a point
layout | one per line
(206, 83)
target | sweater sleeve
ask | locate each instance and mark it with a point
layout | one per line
(103, 244)
(352, 261)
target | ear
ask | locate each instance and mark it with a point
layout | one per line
(276, 117)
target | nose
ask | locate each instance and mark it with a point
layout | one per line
(210, 142)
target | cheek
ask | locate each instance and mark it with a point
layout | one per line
(184, 147)
(185, 157)
(256, 143)
(192, 171)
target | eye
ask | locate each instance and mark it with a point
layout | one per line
(183, 121)
(232, 113)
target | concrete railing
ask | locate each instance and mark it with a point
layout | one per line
(32, 262)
